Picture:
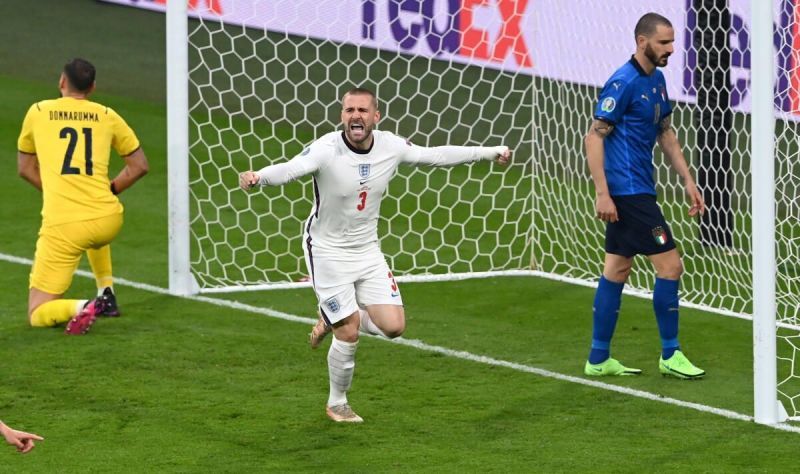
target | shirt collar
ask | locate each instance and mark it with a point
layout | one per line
(356, 150)
(638, 66)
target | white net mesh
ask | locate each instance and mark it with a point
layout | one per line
(259, 95)
(517, 73)
(717, 268)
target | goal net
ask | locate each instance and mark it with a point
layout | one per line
(264, 88)
(266, 78)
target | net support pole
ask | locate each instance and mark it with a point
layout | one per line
(762, 162)
(180, 279)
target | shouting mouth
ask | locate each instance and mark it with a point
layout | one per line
(357, 130)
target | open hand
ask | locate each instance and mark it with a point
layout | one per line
(698, 205)
(606, 209)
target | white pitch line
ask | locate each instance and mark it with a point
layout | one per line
(417, 344)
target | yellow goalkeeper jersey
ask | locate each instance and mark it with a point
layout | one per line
(72, 139)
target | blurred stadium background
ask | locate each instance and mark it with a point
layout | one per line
(228, 384)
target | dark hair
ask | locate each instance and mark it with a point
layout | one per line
(80, 74)
(362, 91)
(647, 24)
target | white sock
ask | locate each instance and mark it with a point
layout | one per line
(367, 325)
(79, 305)
(341, 362)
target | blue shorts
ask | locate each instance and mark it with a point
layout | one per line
(641, 228)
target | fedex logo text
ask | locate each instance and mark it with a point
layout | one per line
(455, 32)
(212, 6)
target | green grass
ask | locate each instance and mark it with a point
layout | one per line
(220, 390)
(179, 385)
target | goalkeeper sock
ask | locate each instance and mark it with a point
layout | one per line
(665, 304)
(367, 325)
(607, 301)
(56, 312)
(341, 363)
(100, 261)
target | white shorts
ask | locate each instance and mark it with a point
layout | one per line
(344, 282)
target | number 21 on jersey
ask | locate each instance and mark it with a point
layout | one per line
(72, 135)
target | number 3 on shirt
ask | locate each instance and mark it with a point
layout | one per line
(363, 203)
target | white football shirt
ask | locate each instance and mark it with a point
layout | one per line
(349, 183)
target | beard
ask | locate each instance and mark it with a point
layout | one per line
(659, 61)
(359, 138)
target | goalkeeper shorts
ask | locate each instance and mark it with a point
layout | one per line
(60, 247)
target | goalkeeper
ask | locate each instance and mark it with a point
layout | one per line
(64, 150)
(632, 114)
(354, 286)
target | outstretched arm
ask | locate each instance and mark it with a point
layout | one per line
(136, 166)
(21, 440)
(455, 155)
(595, 156)
(275, 175)
(28, 169)
(668, 141)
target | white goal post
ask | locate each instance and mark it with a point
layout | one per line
(252, 82)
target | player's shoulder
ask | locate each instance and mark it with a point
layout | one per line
(104, 109)
(327, 141)
(42, 106)
(386, 138)
(323, 147)
(328, 138)
(385, 134)
(623, 76)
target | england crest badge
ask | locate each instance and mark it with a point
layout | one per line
(363, 170)
(332, 304)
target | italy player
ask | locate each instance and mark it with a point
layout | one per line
(632, 114)
(64, 150)
(354, 285)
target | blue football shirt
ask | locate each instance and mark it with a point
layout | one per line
(635, 103)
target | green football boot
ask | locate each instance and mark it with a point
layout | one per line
(609, 367)
(679, 366)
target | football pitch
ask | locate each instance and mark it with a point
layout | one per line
(488, 377)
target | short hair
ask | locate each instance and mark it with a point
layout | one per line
(80, 74)
(648, 23)
(362, 91)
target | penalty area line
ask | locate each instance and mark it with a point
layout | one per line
(420, 345)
